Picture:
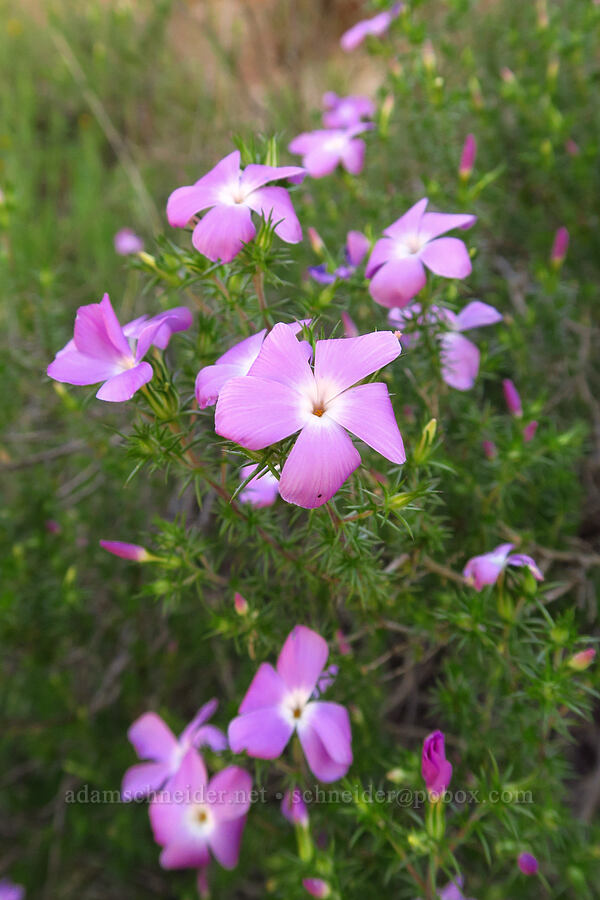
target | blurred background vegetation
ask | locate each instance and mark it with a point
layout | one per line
(105, 107)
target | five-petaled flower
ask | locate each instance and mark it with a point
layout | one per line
(486, 569)
(294, 808)
(102, 350)
(435, 768)
(343, 112)
(282, 395)
(397, 263)
(127, 241)
(194, 817)
(279, 702)
(262, 490)
(153, 740)
(323, 150)
(231, 195)
(375, 27)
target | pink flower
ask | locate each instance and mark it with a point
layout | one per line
(459, 356)
(323, 150)
(489, 449)
(467, 159)
(127, 241)
(294, 808)
(512, 398)
(357, 246)
(529, 431)
(261, 491)
(126, 551)
(236, 362)
(559, 247)
(376, 26)
(316, 887)
(194, 817)
(282, 395)
(486, 569)
(153, 740)
(52, 526)
(231, 195)
(279, 702)
(572, 148)
(344, 647)
(396, 265)
(343, 112)
(11, 891)
(102, 350)
(453, 890)
(435, 768)
(581, 661)
(527, 863)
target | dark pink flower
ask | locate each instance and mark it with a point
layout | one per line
(396, 265)
(279, 702)
(102, 350)
(283, 395)
(486, 569)
(127, 241)
(375, 27)
(231, 195)
(527, 863)
(435, 768)
(512, 398)
(559, 247)
(529, 431)
(134, 552)
(294, 808)
(11, 891)
(467, 159)
(316, 887)
(261, 491)
(194, 817)
(343, 112)
(323, 150)
(153, 740)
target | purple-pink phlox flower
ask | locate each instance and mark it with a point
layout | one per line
(102, 350)
(231, 195)
(294, 808)
(357, 246)
(153, 740)
(376, 27)
(134, 552)
(453, 890)
(282, 395)
(127, 241)
(279, 702)
(343, 112)
(559, 247)
(11, 891)
(323, 150)
(486, 569)
(527, 863)
(194, 817)
(529, 431)
(459, 356)
(435, 768)
(260, 491)
(316, 887)
(236, 362)
(467, 157)
(512, 398)
(397, 263)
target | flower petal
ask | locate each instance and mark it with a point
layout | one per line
(398, 281)
(384, 251)
(225, 842)
(448, 257)
(302, 659)
(190, 854)
(97, 332)
(152, 738)
(257, 412)
(332, 724)
(320, 461)
(73, 367)
(460, 361)
(367, 412)
(357, 247)
(434, 224)
(266, 690)
(123, 386)
(255, 176)
(144, 779)
(353, 156)
(408, 224)
(275, 203)
(321, 763)
(321, 161)
(477, 314)
(203, 714)
(210, 381)
(521, 559)
(263, 733)
(342, 362)
(159, 329)
(222, 232)
(185, 202)
(486, 568)
(232, 789)
(282, 358)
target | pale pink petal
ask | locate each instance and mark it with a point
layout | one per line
(134, 328)
(212, 737)
(383, 251)
(260, 491)
(202, 716)
(225, 842)
(367, 412)
(283, 359)
(257, 412)
(434, 224)
(244, 353)
(357, 247)
(332, 724)
(322, 765)
(192, 853)
(73, 367)
(521, 559)
(93, 337)
(231, 789)
(152, 738)
(321, 161)
(408, 224)
(144, 779)
(398, 281)
(255, 176)
(308, 141)
(123, 386)
(266, 690)
(210, 381)
(486, 569)
(185, 202)
(342, 362)
(320, 461)
(477, 314)
(350, 327)
(222, 232)
(169, 810)
(159, 329)
(460, 361)
(113, 328)
(262, 733)
(302, 659)
(275, 203)
(448, 257)
(353, 156)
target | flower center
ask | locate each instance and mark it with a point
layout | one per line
(413, 244)
(297, 712)
(318, 411)
(200, 819)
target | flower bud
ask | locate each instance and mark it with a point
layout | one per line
(582, 660)
(127, 551)
(511, 395)
(489, 449)
(529, 431)
(467, 158)
(572, 148)
(350, 329)
(316, 887)
(435, 768)
(294, 808)
(316, 241)
(240, 604)
(428, 56)
(527, 863)
(559, 247)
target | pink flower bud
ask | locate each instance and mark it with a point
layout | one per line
(294, 808)
(428, 56)
(350, 329)
(529, 431)
(572, 148)
(527, 863)
(507, 75)
(240, 604)
(52, 526)
(489, 449)
(343, 646)
(559, 247)
(316, 887)
(127, 242)
(316, 241)
(202, 883)
(126, 551)
(467, 158)
(435, 768)
(582, 660)
(511, 395)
